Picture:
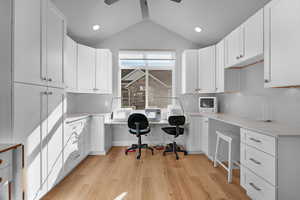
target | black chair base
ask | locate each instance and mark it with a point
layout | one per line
(173, 147)
(139, 147)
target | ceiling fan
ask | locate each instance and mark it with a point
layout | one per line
(144, 6)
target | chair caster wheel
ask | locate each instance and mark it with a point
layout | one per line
(138, 157)
(164, 154)
(185, 153)
(126, 153)
(177, 158)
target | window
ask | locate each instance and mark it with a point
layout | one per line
(146, 76)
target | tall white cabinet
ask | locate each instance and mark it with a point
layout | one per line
(32, 95)
(282, 43)
(53, 29)
(27, 46)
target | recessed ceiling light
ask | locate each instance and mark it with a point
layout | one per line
(96, 27)
(198, 29)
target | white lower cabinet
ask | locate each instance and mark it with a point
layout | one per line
(101, 137)
(76, 143)
(38, 124)
(197, 135)
(258, 168)
(204, 135)
(193, 135)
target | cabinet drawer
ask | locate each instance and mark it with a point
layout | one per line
(5, 174)
(261, 142)
(261, 164)
(5, 159)
(259, 189)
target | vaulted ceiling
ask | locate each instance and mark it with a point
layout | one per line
(216, 17)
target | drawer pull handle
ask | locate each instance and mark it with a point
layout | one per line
(255, 140)
(255, 161)
(254, 186)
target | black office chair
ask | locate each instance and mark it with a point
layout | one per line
(138, 125)
(176, 130)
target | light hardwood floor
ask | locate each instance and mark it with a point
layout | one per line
(151, 178)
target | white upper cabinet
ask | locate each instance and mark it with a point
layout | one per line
(227, 80)
(234, 47)
(282, 43)
(70, 64)
(189, 73)
(54, 35)
(39, 30)
(27, 42)
(103, 71)
(86, 68)
(254, 37)
(220, 66)
(244, 45)
(207, 70)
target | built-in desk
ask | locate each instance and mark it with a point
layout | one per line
(269, 161)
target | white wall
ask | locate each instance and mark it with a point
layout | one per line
(144, 35)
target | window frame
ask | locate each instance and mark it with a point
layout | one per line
(173, 69)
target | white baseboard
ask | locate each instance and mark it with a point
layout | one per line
(97, 153)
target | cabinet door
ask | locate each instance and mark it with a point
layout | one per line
(253, 36)
(207, 69)
(220, 79)
(30, 122)
(189, 75)
(27, 42)
(193, 138)
(103, 71)
(97, 142)
(86, 68)
(53, 138)
(55, 34)
(282, 43)
(70, 64)
(204, 135)
(234, 47)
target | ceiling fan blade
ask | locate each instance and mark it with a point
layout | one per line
(177, 1)
(145, 9)
(109, 2)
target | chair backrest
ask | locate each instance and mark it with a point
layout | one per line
(138, 118)
(177, 120)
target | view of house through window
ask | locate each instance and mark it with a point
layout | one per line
(146, 77)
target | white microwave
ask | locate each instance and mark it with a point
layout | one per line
(208, 104)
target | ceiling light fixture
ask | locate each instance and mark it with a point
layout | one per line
(198, 29)
(96, 27)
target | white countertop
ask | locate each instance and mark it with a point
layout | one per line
(274, 129)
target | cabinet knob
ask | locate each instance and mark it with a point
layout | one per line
(237, 57)
(266, 81)
(44, 78)
(50, 79)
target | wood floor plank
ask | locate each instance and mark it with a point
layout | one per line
(156, 177)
